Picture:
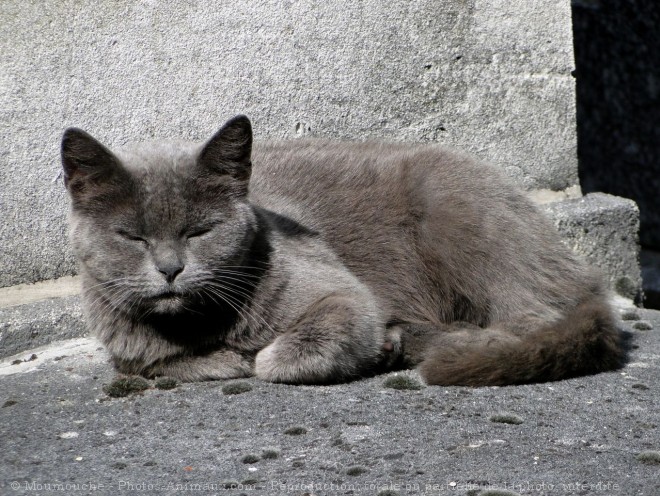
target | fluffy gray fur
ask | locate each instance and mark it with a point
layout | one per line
(327, 261)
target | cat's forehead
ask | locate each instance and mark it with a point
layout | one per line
(158, 155)
(166, 189)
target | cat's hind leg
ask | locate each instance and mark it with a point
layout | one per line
(338, 337)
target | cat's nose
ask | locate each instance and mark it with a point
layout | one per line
(170, 270)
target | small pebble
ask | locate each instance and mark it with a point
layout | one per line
(630, 315)
(250, 458)
(236, 388)
(68, 435)
(357, 470)
(649, 457)
(642, 325)
(626, 287)
(9, 403)
(270, 454)
(166, 383)
(124, 386)
(295, 431)
(506, 418)
(402, 382)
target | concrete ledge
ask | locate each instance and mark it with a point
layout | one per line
(23, 294)
(39, 323)
(604, 230)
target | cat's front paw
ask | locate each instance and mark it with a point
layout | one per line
(284, 361)
(275, 363)
(336, 339)
(265, 364)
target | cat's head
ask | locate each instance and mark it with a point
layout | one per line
(152, 224)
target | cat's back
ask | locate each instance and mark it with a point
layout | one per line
(375, 189)
(324, 176)
(416, 218)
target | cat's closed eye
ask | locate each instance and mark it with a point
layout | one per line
(198, 233)
(131, 237)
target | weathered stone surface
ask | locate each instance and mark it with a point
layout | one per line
(604, 229)
(38, 323)
(492, 77)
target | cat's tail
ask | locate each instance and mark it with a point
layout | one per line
(585, 341)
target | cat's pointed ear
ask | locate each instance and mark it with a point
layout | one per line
(85, 159)
(91, 171)
(229, 151)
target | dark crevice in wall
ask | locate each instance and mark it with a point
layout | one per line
(617, 55)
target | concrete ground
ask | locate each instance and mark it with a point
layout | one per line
(61, 433)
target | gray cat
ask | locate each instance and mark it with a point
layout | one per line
(328, 261)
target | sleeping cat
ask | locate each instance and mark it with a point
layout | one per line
(324, 262)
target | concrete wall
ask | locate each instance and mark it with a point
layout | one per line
(489, 76)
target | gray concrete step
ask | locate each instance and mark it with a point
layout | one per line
(604, 230)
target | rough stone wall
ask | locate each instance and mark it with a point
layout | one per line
(491, 76)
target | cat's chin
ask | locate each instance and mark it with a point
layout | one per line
(168, 304)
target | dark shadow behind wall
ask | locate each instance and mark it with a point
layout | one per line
(617, 54)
